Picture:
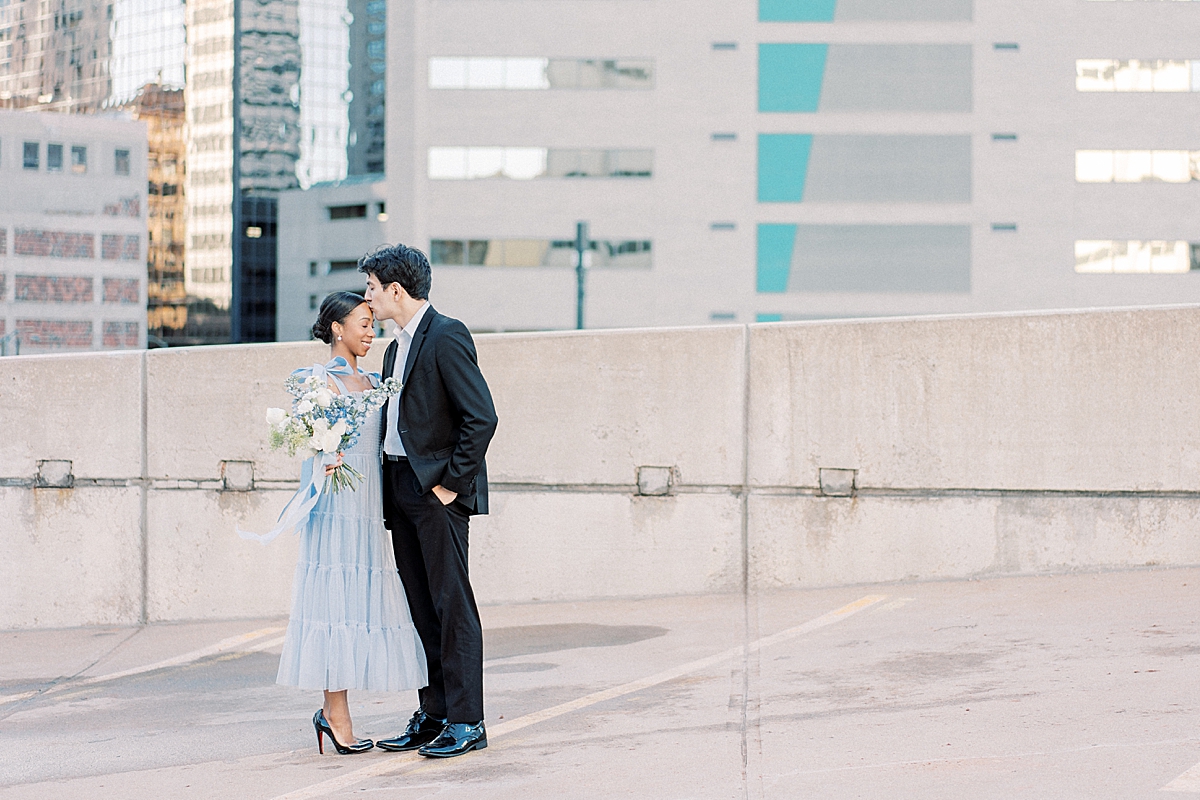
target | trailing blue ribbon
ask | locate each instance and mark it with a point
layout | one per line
(295, 514)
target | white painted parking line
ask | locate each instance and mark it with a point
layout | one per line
(267, 645)
(1187, 782)
(899, 602)
(233, 643)
(223, 646)
(395, 764)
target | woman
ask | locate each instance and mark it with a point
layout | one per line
(350, 626)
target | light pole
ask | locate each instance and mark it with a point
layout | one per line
(582, 245)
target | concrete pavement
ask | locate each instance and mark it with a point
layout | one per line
(1075, 686)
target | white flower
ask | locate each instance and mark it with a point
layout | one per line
(323, 398)
(340, 427)
(320, 425)
(303, 407)
(276, 417)
(326, 441)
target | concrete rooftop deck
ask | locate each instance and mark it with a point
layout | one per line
(1078, 686)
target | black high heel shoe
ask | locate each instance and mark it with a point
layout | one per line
(322, 726)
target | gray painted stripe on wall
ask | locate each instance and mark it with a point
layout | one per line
(850, 10)
(881, 258)
(897, 77)
(881, 169)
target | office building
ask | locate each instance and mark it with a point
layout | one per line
(167, 312)
(73, 232)
(125, 57)
(784, 159)
(299, 88)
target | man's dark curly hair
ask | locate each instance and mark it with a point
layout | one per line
(399, 263)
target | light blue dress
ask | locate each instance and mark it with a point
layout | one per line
(350, 626)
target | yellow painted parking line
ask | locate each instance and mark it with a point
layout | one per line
(1187, 782)
(397, 764)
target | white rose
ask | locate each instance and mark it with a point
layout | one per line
(303, 407)
(324, 398)
(327, 441)
(320, 425)
(340, 427)
(275, 417)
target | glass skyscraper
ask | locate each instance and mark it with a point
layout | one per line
(342, 89)
(245, 99)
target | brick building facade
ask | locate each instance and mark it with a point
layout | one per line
(73, 231)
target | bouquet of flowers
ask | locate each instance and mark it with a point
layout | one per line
(323, 424)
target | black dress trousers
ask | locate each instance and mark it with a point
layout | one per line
(430, 541)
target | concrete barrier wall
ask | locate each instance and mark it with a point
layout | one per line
(981, 445)
(969, 446)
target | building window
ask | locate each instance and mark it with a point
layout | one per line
(121, 162)
(31, 151)
(313, 302)
(801, 78)
(208, 275)
(78, 159)
(53, 244)
(846, 258)
(1114, 75)
(540, 73)
(790, 76)
(348, 212)
(537, 253)
(1137, 166)
(343, 266)
(857, 168)
(857, 11)
(1156, 257)
(54, 158)
(527, 163)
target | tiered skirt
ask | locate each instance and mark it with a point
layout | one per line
(350, 626)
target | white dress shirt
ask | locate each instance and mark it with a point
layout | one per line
(392, 445)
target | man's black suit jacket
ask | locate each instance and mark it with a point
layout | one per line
(446, 415)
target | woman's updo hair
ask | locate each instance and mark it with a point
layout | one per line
(334, 308)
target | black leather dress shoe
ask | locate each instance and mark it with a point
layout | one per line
(455, 739)
(422, 729)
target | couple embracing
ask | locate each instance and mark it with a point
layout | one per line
(379, 612)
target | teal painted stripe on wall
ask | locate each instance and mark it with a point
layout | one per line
(790, 77)
(796, 10)
(782, 166)
(768, 318)
(775, 243)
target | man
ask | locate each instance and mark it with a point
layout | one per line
(436, 432)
